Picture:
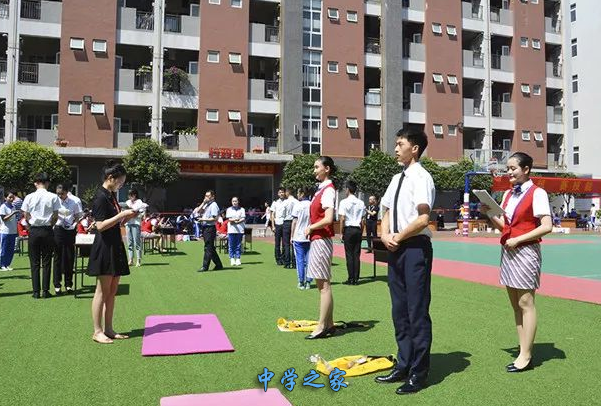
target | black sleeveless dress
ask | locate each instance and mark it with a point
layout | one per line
(107, 256)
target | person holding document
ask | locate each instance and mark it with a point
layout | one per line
(526, 218)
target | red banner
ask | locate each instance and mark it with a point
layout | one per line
(554, 185)
(226, 153)
(227, 168)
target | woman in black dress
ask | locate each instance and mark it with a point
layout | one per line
(108, 259)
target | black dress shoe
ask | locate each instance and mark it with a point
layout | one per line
(279, 263)
(513, 368)
(347, 282)
(202, 270)
(288, 266)
(395, 376)
(509, 365)
(46, 294)
(36, 295)
(413, 385)
(328, 332)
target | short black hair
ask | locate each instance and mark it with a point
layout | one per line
(281, 189)
(351, 186)
(133, 192)
(41, 177)
(415, 137)
(211, 191)
(62, 188)
(524, 160)
(14, 193)
(113, 169)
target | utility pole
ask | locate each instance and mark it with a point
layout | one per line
(156, 125)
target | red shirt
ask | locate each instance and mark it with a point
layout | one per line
(317, 213)
(146, 226)
(523, 220)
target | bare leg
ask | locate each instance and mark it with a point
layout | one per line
(517, 313)
(326, 306)
(528, 311)
(103, 291)
(110, 308)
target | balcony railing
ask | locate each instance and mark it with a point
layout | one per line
(144, 21)
(271, 143)
(372, 45)
(373, 98)
(170, 141)
(31, 9)
(478, 59)
(495, 61)
(26, 134)
(495, 15)
(497, 109)
(28, 72)
(143, 81)
(141, 136)
(272, 89)
(3, 70)
(478, 107)
(272, 34)
(173, 23)
(4, 9)
(554, 114)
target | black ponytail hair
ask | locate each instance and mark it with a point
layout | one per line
(329, 162)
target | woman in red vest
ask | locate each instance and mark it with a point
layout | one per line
(320, 233)
(527, 218)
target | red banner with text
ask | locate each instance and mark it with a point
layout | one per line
(555, 185)
(227, 168)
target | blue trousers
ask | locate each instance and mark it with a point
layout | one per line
(7, 248)
(409, 273)
(301, 251)
(234, 244)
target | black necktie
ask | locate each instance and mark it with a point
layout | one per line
(517, 189)
(395, 210)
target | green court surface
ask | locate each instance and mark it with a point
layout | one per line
(47, 355)
(572, 259)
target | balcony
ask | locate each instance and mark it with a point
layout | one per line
(553, 69)
(473, 107)
(473, 64)
(472, 11)
(263, 144)
(173, 23)
(31, 9)
(3, 69)
(41, 18)
(373, 97)
(414, 57)
(414, 109)
(180, 142)
(552, 25)
(414, 10)
(4, 9)
(483, 156)
(372, 46)
(501, 16)
(40, 136)
(555, 120)
(125, 140)
(502, 110)
(264, 40)
(40, 81)
(133, 26)
(555, 160)
(144, 21)
(502, 68)
(264, 96)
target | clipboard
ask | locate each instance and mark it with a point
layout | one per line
(486, 198)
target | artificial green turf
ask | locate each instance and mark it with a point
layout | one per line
(47, 356)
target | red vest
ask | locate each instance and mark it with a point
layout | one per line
(523, 220)
(146, 226)
(317, 213)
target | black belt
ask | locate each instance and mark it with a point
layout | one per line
(287, 221)
(352, 227)
(42, 227)
(416, 239)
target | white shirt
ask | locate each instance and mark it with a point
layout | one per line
(9, 226)
(301, 214)
(593, 212)
(279, 209)
(291, 202)
(417, 188)
(235, 214)
(137, 204)
(353, 211)
(540, 202)
(66, 214)
(76, 199)
(40, 205)
(328, 196)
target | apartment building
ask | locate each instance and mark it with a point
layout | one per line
(233, 88)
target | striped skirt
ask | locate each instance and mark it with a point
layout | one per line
(520, 267)
(320, 259)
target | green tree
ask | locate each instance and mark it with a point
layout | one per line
(298, 173)
(375, 172)
(22, 160)
(438, 172)
(150, 166)
(454, 178)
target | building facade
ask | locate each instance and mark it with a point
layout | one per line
(234, 88)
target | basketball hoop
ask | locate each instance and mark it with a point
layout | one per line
(493, 167)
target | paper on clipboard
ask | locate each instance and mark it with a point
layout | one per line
(486, 198)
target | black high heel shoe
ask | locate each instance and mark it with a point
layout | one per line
(328, 332)
(514, 369)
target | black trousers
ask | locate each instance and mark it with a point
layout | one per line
(409, 274)
(286, 235)
(64, 256)
(371, 230)
(41, 246)
(352, 251)
(278, 250)
(209, 233)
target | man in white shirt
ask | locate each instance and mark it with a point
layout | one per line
(64, 238)
(351, 213)
(279, 213)
(593, 216)
(300, 242)
(407, 204)
(291, 202)
(41, 212)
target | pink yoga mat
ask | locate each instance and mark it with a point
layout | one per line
(184, 334)
(247, 397)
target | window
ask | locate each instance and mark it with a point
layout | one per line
(524, 1)
(573, 12)
(236, 3)
(352, 69)
(525, 88)
(235, 58)
(77, 44)
(332, 67)
(535, 43)
(212, 115)
(213, 56)
(97, 108)
(526, 135)
(574, 47)
(451, 30)
(524, 42)
(437, 28)
(332, 122)
(352, 123)
(575, 120)
(452, 79)
(437, 77)
(452, 130)
(214, 1)
(333, 13)
(99, 45)
(437, 128)
(538, 136)
(536, 90)
(575, 84)
(534, 1)
(75, 108)
(576, 155)
(193, 68)
(234, 116)
(351, 16)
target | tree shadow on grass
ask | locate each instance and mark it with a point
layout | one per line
(16, 277)
(541, 352)
(444, 365)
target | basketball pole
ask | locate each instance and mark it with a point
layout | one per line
(466, 203)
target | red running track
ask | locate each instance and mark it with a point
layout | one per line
(495, 240)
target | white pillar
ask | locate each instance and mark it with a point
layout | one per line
(12, 72)
(487, 141)
(156, 128)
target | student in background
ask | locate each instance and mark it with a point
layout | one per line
(235, 216)
(8, 231)
(300, 242)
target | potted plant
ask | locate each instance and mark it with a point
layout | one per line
(144, 72)
(61, 142)
(172, 79)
